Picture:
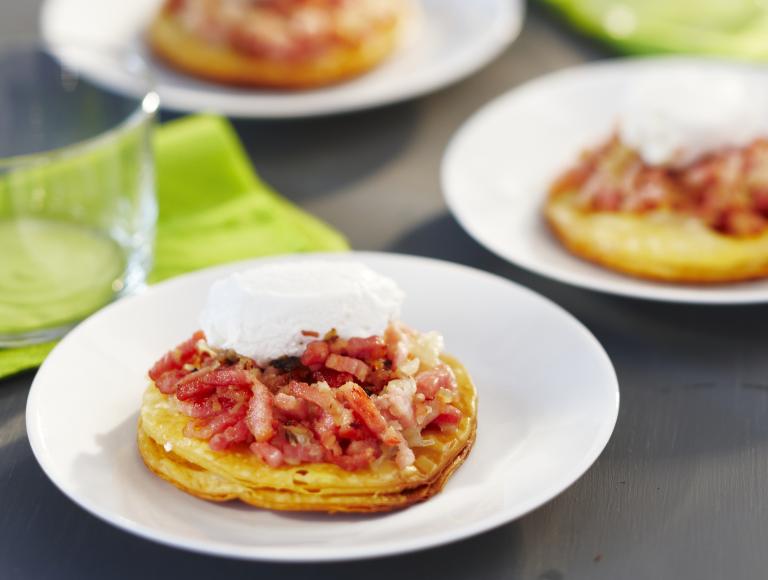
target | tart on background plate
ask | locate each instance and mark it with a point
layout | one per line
(679, 193)
(283, 44)
(437, 43)
(514, 176)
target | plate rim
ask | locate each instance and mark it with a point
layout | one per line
(703, 295)
(173, 97)
(312, 553)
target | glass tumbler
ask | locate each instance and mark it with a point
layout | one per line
(77, 198)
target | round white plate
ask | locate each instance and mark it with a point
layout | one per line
(498, 168)
(548, 400)
(448, 40)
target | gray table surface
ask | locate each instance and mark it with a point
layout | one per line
(681, 489)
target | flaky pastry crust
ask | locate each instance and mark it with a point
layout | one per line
(659, 245)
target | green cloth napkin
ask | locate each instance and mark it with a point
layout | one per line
(728, 28)
(212, 209)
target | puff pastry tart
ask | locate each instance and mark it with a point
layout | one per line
(704, 222)
(364, 424)
(286, 44)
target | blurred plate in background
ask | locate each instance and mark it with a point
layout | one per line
(448, 40)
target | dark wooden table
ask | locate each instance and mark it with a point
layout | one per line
(681, 491)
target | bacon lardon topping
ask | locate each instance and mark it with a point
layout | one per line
(269, 454)
(232, 435)
(344, 402)
(175, 359)
(288, 30)
(320, 394)
(166, 382)
(203, 382)
(727, 190)
(430, 382)
(207, 428)
(315, 354)
(347, 364)
(361, 404)
(260, 416)
(291, 407)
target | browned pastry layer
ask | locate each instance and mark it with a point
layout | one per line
(659, 245)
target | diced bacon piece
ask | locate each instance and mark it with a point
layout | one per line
(237, 433)
(355, 432)
(322, 396)
(291, 406)
(347, 364)
(760, 199)
(176, 358)
(297, 445)
(325, 428)
(311, 393)
(430, 382)
(232, 396)
(364, 408)
(607, 199)
(426, 412)
(336, 345)
(269, 454)
(188, 348)
(207, 428)
(200, 409)
(193, 386)
(296, 453)
(166, 382)
(397, 398)
(315, 354)
(204, 382)
(359, 455)
(168, 362)
(742, 222)
(228, 376)
(367, 349)
(397, 344)
(449, 415)
(259, 417)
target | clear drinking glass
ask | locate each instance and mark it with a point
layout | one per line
(77, 198)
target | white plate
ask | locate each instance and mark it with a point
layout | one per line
(498, 168)
(449, 39)
(548, 400)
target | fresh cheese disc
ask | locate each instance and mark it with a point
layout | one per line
(273, 311)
